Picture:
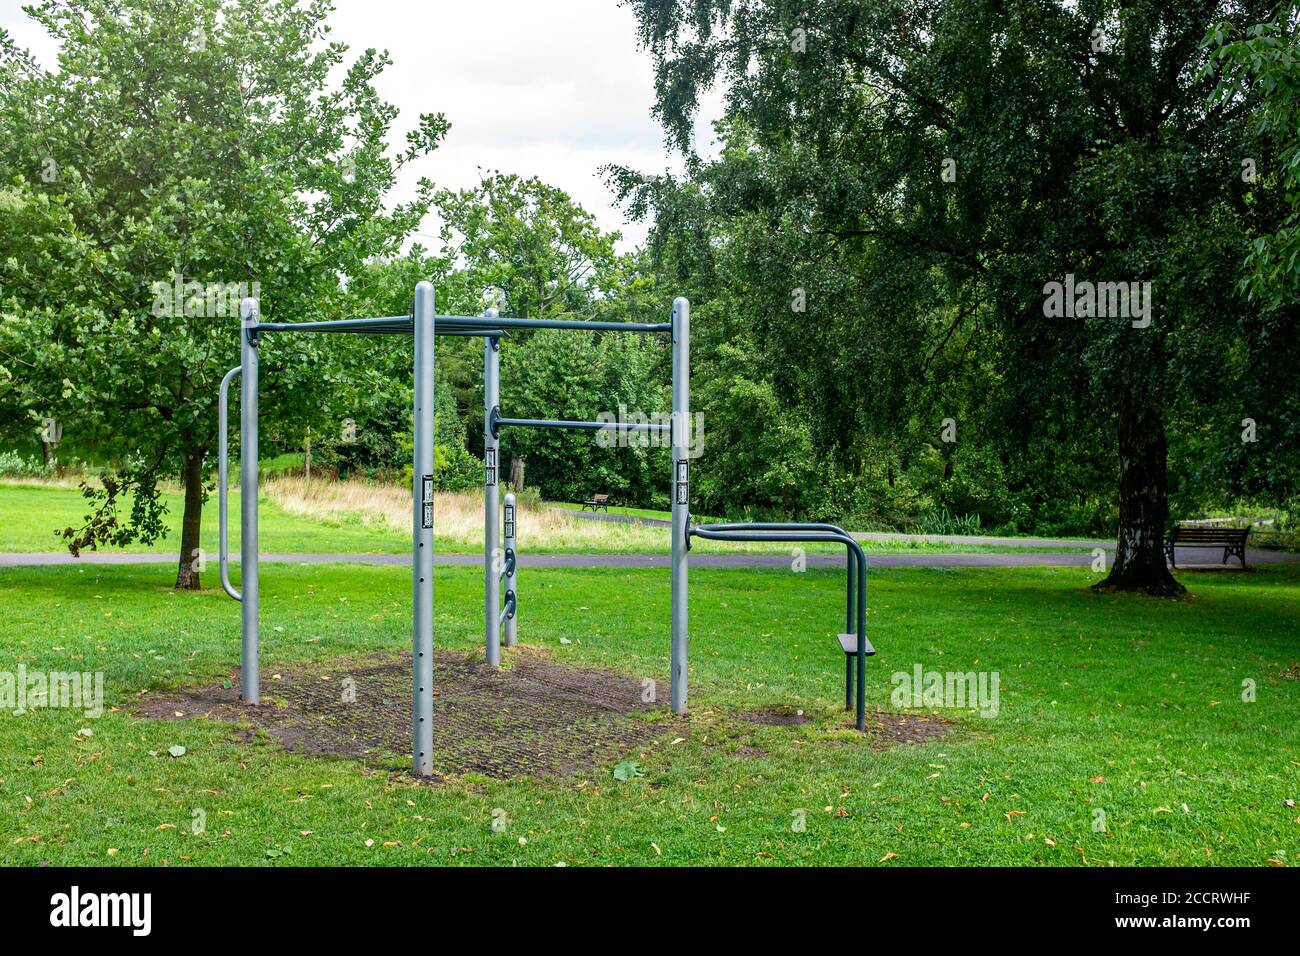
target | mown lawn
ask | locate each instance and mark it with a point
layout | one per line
(1126, 705)
(32, 514)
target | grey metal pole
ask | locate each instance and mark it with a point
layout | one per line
(512, 570)
(422, 549)
(681, 498)
(250, 678)
(491, 500)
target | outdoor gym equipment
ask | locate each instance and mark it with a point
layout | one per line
(854, 641)
(500, 565)
(424, 324)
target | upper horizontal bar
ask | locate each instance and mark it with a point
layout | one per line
(589, 426)
(395, 326)
(392, 325)
(402, 325)
(480, 321)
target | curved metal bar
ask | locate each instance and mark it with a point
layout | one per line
(501, 422)
(223, 475)
(851, 573)
(757, 532)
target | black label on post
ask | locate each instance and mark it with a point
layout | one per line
(426, 501)
(683, 485)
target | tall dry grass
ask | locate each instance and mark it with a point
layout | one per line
(458, 516)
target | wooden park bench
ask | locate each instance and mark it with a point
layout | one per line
(1231, 540)
(596, 503)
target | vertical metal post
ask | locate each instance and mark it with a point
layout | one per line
(491, 502)
(250, 678)
(422, 549)
(681, 431)
(849, 627)
(512, 570)
(862, 643)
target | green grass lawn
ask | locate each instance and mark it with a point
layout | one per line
(1125, 705)
(30, 515)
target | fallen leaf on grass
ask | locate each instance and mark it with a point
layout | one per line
(889, 856)
(628, 769)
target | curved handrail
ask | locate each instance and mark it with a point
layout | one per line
(755, 531)
(852, 562)
(223, 475)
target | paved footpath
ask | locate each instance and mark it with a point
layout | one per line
(1191, 558)
(886, 536)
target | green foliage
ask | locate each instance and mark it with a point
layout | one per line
(1260, 63)
(14, 465)
(185, 153)
(580, 376)
(529, 250)
(944, 522)
(898, 183)
(101, 526)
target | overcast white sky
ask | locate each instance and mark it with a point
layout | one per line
(552, 89)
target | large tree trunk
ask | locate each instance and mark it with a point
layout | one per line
(1143, 502)
(187, 571)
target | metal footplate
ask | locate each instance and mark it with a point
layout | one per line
(850, 644)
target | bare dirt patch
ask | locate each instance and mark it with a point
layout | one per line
(773, 717)
(534, 718)
(884, 729)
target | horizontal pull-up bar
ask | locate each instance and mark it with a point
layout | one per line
(484, 321)
(398, 325)
(453, 324)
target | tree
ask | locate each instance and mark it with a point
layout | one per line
(1261, 61)
(527, 248)
(183, 154)
(959, 165)
(580, 375)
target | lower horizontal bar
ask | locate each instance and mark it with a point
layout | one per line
(587, 426)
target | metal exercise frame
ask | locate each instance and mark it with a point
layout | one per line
(424, 325)
(854, 642)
